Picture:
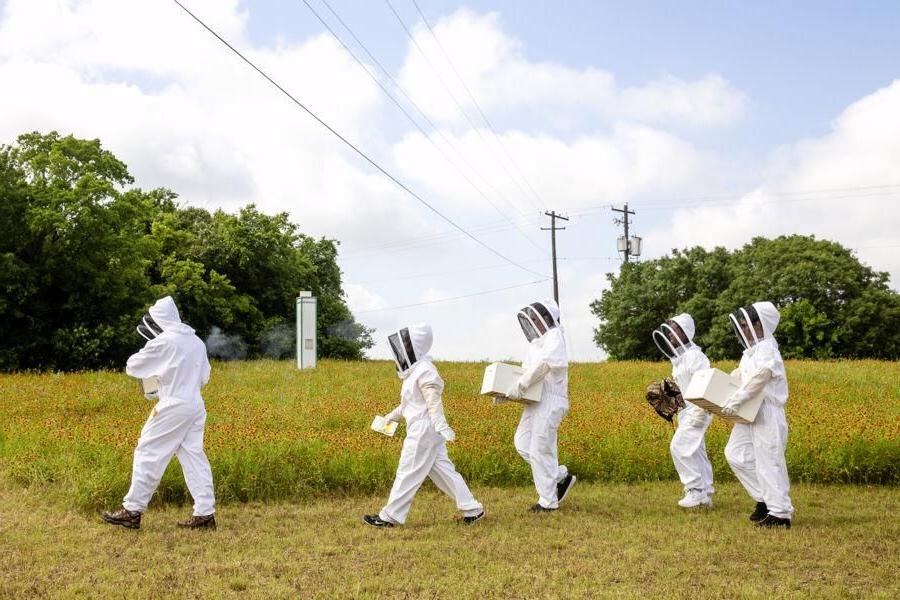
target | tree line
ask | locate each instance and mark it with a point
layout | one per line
(832, 305)
(83, 253)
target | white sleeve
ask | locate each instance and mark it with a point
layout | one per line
(396, 414)
(432, 393)
(753, 385)
(148, 362)
(204, 376)
(536, 373)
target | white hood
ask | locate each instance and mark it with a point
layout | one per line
(669, 341)
(686, 322)
(410, 346)
(165, 313)
(744, 321)
(768, 316)
(538, 319)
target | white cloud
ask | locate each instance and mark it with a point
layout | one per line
(495, 69)
(632, 159)
(850, 169)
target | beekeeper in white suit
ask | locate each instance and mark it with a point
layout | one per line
(674, 338)
(548, 361)
(424, 453)
(177, 358)
(756, 451)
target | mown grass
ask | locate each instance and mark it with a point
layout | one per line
(275, 433)
(608, 540)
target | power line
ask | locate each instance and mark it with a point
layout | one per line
(359, 152)
(431, 274)
(447, 236)
(419, 110)
(413, 121)
(700, 201)
(482, 293)
(475, 102)
(456, 101)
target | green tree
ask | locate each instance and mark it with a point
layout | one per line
(831, 304)
(82, 255)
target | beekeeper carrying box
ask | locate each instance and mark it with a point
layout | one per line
(711, 388)
(500, 377)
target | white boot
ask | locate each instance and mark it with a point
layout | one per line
(694, 498)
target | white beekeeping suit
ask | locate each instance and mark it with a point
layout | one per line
(536, 437)
(756, 451)
(688, 447)
(177, 358)
(424, 453)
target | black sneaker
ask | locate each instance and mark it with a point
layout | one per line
(470, 520)
(130, 519)
(376, 521)
(760, 513)
(564, 486)
(537, 508)
(771, 521)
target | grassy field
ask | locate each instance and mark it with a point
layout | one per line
(275, 433)
(608, 540)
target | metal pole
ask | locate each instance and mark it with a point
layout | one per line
(624, 220)
(553, 228)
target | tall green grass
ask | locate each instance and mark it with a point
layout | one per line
(275, 433)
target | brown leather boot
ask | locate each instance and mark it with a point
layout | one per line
(124, 517)
(199, 522)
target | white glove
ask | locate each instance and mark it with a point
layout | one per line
(447, 433)
(732, 405)
(394, 416)
(515, 392)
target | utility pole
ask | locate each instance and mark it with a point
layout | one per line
(626, 247)
(553, 229)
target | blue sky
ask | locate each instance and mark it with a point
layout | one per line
(716, 121)
(801, 62)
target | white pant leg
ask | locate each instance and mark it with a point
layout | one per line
(740, 454)
(707, 464)
(195, 466)
(448, 480)
(416, 460)
(522, 439)
(769, 443)
(542, 450)
(688, 450)
(160, 439)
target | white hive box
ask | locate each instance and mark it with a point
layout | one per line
(711, 388)
(499, 377)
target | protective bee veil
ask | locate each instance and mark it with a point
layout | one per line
(536, 319)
